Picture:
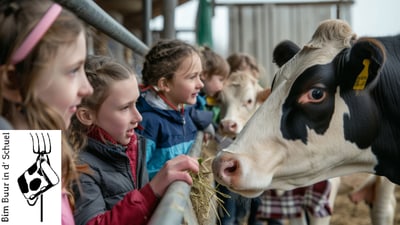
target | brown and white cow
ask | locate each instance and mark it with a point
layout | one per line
(333, 111)
(239, 99)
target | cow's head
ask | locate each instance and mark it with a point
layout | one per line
(238, 100)
(318, 122)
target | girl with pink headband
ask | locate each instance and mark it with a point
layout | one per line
(42, 56)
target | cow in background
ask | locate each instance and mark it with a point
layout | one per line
(238, 100)
(334, 110)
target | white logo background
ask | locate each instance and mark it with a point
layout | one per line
(17, 156)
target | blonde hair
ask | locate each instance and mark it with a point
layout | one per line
(243, 61)
(17, 19)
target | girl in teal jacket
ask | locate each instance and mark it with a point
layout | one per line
(171, 84)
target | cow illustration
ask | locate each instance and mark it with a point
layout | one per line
(39, 177)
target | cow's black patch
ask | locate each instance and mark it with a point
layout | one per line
(23, 184)
(361, 125)
(297, 116)
(35, 184)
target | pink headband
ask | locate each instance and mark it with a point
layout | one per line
(36, 34)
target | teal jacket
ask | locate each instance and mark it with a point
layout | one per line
(168, 132)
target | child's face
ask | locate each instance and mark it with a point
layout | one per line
(118, 114)
(63, 83)
(213, 85)
(186, 84)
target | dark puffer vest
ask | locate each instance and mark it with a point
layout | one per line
(109, 169)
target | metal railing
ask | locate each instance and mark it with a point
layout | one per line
(92, 14)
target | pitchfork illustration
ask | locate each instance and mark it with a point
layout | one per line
(39, 177)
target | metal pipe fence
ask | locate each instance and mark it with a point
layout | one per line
(92, 14)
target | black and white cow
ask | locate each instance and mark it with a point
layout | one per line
(334, 110)
(376, 191)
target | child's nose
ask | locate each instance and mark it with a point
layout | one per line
(200, 83)
(86, 89)
(136, 117)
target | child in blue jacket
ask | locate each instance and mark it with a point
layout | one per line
(170, 85)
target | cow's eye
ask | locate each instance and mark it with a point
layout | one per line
(249, 101)
(316, 93)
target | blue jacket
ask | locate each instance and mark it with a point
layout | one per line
(168, 132)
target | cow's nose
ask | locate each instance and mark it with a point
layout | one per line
(229, 126)
(225, 168)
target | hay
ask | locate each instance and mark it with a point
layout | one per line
(203, 195)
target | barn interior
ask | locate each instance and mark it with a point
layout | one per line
(272, 22)
(122, 30)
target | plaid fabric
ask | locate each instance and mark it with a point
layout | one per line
(291, 204)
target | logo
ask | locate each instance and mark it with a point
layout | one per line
(30, 187)
(39, 177)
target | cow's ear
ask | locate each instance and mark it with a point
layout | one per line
(263, 95)
(284, 51)
(362, 65)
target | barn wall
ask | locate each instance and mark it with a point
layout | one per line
(257, 29)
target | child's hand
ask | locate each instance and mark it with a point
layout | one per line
(175, 169)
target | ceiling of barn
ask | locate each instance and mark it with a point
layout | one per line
(132, 10)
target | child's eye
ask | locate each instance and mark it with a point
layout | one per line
(129, 106)
(74, 71)
(194, 76)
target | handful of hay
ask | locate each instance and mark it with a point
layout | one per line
(203, 195)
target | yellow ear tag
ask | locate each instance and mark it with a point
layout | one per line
(362, 78)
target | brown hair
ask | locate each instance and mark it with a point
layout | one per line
(17, 19)
(164, 59)
(243, 61)
(213, 63)
(102, 72)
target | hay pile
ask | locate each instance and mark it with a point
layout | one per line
(203, 195)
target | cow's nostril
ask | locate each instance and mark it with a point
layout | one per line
(231, 169)
(225, 168)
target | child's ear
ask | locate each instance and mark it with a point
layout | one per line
(85, 116)
(9, 86)
(163, 84)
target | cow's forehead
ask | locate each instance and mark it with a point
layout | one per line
(238, 84)
(330, 38)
